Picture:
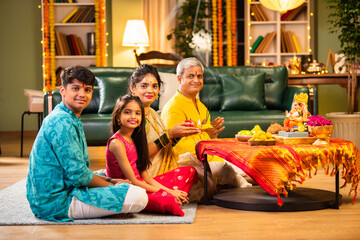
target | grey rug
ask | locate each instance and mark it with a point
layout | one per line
(15, 210)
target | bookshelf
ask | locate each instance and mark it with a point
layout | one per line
(72, 48)
(288, 33)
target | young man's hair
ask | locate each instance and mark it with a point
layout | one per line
(139, 134)
(79, 73)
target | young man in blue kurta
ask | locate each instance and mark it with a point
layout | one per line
(60, 186)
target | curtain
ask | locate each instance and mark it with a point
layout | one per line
(159, 17)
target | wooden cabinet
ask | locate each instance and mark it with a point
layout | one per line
(53, 58)
(278, 50)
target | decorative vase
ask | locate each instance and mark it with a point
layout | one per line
(322, 133)
(347, 126)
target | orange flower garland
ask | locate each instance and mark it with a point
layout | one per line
(46, 54)
(100, 32)
(220, 30)
(52, 46)
(233, 33)
(214, 34)
(228, 34)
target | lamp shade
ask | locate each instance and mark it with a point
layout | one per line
(281, 6)
(135, 34)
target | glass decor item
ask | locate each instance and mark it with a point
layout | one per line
(91, 43)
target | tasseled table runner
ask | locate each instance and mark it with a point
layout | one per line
(279, 166)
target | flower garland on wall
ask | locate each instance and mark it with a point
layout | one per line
(100, 36)
(233, 33)
(52, 45)
(46, 50)
(218, 32)
(215, 54)
(228, 34)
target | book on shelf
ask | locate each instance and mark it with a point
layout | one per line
(91, 16)
(72, 13)
(77, 15)
(86, 14)
(269, 39)
(265, 42)
(258, 13)
(285, 15)
(262, 12)
(289, 42)
(68, 44)
(256, 44)
(295, 43)
(293, 14)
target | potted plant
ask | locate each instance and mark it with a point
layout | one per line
(344, 20)
(190, 19)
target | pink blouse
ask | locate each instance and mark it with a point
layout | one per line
(112, 166)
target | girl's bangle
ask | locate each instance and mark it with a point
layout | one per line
(108, 179)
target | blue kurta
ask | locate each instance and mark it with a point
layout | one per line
(59, 170)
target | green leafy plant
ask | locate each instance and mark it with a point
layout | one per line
(344, 20)
(186, 29)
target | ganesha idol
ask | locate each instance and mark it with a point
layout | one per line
(298, 116)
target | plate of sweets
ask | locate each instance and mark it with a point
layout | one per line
(260, 138)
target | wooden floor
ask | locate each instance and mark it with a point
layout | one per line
(211, 222)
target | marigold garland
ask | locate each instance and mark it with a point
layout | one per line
(215, 53)
(100, 32)
(233, 33)
(228, 34)
(220, 33)
(52, 46)
(46, 54)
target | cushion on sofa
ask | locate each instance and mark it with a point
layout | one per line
(243, 92)
(110, 88)
(168, 89)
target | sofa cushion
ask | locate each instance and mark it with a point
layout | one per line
(169, 88)
(93, 107)
(110, 88)
(243, 92)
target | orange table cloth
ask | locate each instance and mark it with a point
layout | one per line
(279, 166)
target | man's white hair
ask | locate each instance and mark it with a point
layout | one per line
(188, 63)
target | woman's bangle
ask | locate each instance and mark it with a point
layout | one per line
(162, 141)
(175, 141)
(108, 179)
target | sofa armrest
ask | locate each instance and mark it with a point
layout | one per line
(53, 98)
(310, 90)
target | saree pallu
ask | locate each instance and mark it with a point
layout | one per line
(279, 166)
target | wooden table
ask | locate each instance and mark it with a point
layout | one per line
(275, 168)
(341, 79)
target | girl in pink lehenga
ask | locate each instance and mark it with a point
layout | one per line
(127, 156)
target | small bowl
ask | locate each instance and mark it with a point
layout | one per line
(243, 138)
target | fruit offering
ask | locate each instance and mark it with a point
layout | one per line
(256, 129)
(262, 136)
(244, 132)
(190, 123)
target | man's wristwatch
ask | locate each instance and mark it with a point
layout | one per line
(108, 179)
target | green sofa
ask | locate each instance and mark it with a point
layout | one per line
(244, 96)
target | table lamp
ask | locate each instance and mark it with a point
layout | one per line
(135, 35)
